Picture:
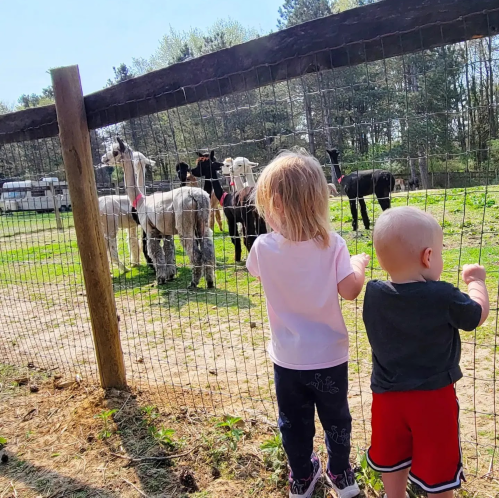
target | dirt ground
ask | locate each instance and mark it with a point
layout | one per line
(59, 445)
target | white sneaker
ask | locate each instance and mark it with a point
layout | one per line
(344, 484)
(304, 488)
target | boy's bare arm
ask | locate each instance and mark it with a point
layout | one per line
(350, 287)
(474, 277)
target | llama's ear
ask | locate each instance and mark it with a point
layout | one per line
(199, 154)
(177, 167)
(121, 144)
(212, 155)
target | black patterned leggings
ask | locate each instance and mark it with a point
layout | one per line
(298, 393)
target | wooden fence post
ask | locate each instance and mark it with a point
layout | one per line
(75, 144)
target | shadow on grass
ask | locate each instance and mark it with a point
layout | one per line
(176, 294)
(132, 439)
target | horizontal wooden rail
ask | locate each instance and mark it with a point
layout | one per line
(366, 34)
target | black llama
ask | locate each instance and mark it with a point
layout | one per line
(361, 183)
(238, 207)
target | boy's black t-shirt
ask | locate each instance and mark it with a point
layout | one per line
(413, 331)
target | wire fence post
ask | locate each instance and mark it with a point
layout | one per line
(76, 152)
(55, 200)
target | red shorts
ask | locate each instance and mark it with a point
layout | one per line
(420, 430)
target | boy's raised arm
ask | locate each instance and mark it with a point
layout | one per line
(474, 277)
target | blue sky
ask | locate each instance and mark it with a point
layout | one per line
(36, 35)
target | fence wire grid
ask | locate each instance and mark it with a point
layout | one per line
(430, 117)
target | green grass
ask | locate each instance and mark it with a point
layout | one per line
(215, 339)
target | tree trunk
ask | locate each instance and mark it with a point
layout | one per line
(412, 165)
(423, 170)
(310, 124)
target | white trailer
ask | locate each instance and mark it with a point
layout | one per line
(29, 195)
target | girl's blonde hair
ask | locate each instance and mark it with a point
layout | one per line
(292, 191)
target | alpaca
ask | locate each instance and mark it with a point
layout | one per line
(362, 183)
(332, 190)
(207, 166)
(185, 175)
(116, 212)
(185, 210)
(400, 183)
(236, 169)
(238, 208)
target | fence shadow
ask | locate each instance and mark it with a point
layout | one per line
(41, 479)
(135, 428)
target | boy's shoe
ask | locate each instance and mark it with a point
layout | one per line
(406, 495)
(344, 484)
(304, 488)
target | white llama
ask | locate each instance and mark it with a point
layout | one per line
(236, 169)
(116, 213)
(185, 210)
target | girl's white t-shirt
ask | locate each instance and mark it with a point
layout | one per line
(300, 281)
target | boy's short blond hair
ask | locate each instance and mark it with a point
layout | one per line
(401, 234)
(295, 181)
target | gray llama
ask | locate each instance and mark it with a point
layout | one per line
(184, 210)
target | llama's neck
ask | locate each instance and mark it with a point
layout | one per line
(337, 172)
(140, 173)
(131, 186)
(250, 178)
(238, 182)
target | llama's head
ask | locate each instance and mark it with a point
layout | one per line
(226, 167)
(334, 155)
(238, 166)
(116, 153)
(207, 165)
(183, 171)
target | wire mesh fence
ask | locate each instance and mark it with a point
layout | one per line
(428, 116)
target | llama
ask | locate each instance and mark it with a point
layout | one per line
(332, 190)
(185, 175)
(400, 183)
(236, 169)
(116, 212)
(239, 208)
(185, 210)
(361, 183)
(207, 166)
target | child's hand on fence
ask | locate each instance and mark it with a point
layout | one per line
(360, 261)
(473, 273)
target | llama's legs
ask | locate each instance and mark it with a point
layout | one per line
(250, 234)
(169, 250)
(212, 219)
(185, 223)
(234, 235)
(353, 210)
(112, 246)
(144, 250)
(208, 258)
(157, 255)
(133, 246)
(191, 248)
(363, 212)
(218, 216)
